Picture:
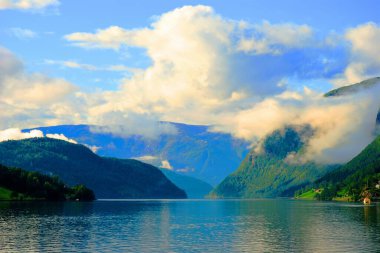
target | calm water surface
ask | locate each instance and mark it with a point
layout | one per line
(189, 226)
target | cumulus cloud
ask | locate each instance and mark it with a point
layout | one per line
(19, 88)
(27, 4)
(40, 90)
(206, 69)
(9, 64)
(197, 69)
(32, 99)
(210, 70)
(364, 59)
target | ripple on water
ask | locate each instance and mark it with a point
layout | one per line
(189, 226)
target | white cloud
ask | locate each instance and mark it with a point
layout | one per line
(364, 59)
(210, 70)
(20, 88)
(22, 33)
(76, 65)
(185, 170)
(93, 148)
(16, 134)
(27, 4)
(146, 158)
(266, 38)
(276, 38)
(343, 125)
(112, 38)
(61, 137)
(133, 124)
(33, 90)
(72, 64)
(149, 159)
(197, 71)
(34, 99)
(155, 161)
(165, 164)
(192, 73)
(121, 68)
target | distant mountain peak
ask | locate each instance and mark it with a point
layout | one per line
(350, 89)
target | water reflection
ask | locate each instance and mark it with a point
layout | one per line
(189, 226)
(308, 227)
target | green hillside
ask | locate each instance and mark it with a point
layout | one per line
(194, 188)
(76, 164)
(5, 194)
(350, 180)
(18, 184)
(268, 174)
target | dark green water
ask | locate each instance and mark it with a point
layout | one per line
(189, 226)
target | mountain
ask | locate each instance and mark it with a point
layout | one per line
(18, 184)
(269, 172)
(349, 180)
(193, 151)
(354, 88)
(76, 164)
(194, 188)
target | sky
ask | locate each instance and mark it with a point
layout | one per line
(244, 67)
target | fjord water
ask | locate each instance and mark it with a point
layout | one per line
(189, 226)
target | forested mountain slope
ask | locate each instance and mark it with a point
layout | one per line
(76, 164)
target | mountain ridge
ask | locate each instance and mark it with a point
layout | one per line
(194, 151)
(76, 164)
(353, 88)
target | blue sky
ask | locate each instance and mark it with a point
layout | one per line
(244, 67)
(53, 22)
